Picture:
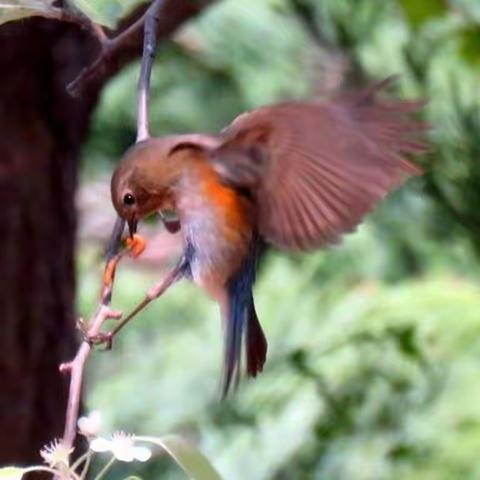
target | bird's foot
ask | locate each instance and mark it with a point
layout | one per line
(101, 338)
(82, 326)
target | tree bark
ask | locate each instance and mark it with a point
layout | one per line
(41, 133)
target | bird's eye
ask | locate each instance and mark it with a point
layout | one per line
(128, 199)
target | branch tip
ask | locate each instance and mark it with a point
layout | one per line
(65, 367)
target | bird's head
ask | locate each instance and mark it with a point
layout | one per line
(144, 180)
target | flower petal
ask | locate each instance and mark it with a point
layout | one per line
(90, 425)
(56, 453)
(142, 454)
(123, 446)
(123, 454)
(100, 445)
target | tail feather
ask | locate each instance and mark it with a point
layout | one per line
(242, 327)
(235, 325)
(243, 318)
(256, 345)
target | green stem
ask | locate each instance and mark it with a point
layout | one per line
(42, 469)
(53, 471)
(81, 459)
(83, 474)
(105, 469)
(146, 439)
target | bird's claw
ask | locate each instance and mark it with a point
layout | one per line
(82, 326)
(101, 338)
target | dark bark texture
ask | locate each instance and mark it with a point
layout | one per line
(42, 129)
(41, 133)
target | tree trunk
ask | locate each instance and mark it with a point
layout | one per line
(41, 132)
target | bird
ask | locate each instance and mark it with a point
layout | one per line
(297, 175)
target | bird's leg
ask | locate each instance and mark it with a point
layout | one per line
(154, 292)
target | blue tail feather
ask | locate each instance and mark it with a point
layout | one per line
(243, 318)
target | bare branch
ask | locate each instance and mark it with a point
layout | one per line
(125, 44)
(108, 48)
(77, 366)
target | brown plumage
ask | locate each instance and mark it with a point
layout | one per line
(297, 175)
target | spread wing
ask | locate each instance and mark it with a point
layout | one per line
(316, 168)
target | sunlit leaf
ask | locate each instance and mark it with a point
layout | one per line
(192, 461)
(107, 12)
(11, 10)
(11, 473)
(419, 12)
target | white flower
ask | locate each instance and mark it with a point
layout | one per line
(56, 454)
(90, 425)
(122, 446)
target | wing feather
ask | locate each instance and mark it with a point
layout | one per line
(315, 169)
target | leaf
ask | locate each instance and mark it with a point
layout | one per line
(406, 340)
(107, 12)
(11, 10)
(469, 39)
(11, 473)
(188, 458)
(419, 12)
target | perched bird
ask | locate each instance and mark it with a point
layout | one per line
(296, 175)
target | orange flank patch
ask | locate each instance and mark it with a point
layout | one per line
(229, 204)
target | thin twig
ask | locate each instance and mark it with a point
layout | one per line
(76, 368)
(149, 46)
(77, 365)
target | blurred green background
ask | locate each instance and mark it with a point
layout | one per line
(374, 346)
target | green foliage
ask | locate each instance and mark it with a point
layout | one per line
(107, 12)
(104, 12)
(194, 464)
(11, 473)
(11, 10)
(418, 13)
(469, 39)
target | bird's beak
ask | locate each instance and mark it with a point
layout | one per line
(132, 226)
